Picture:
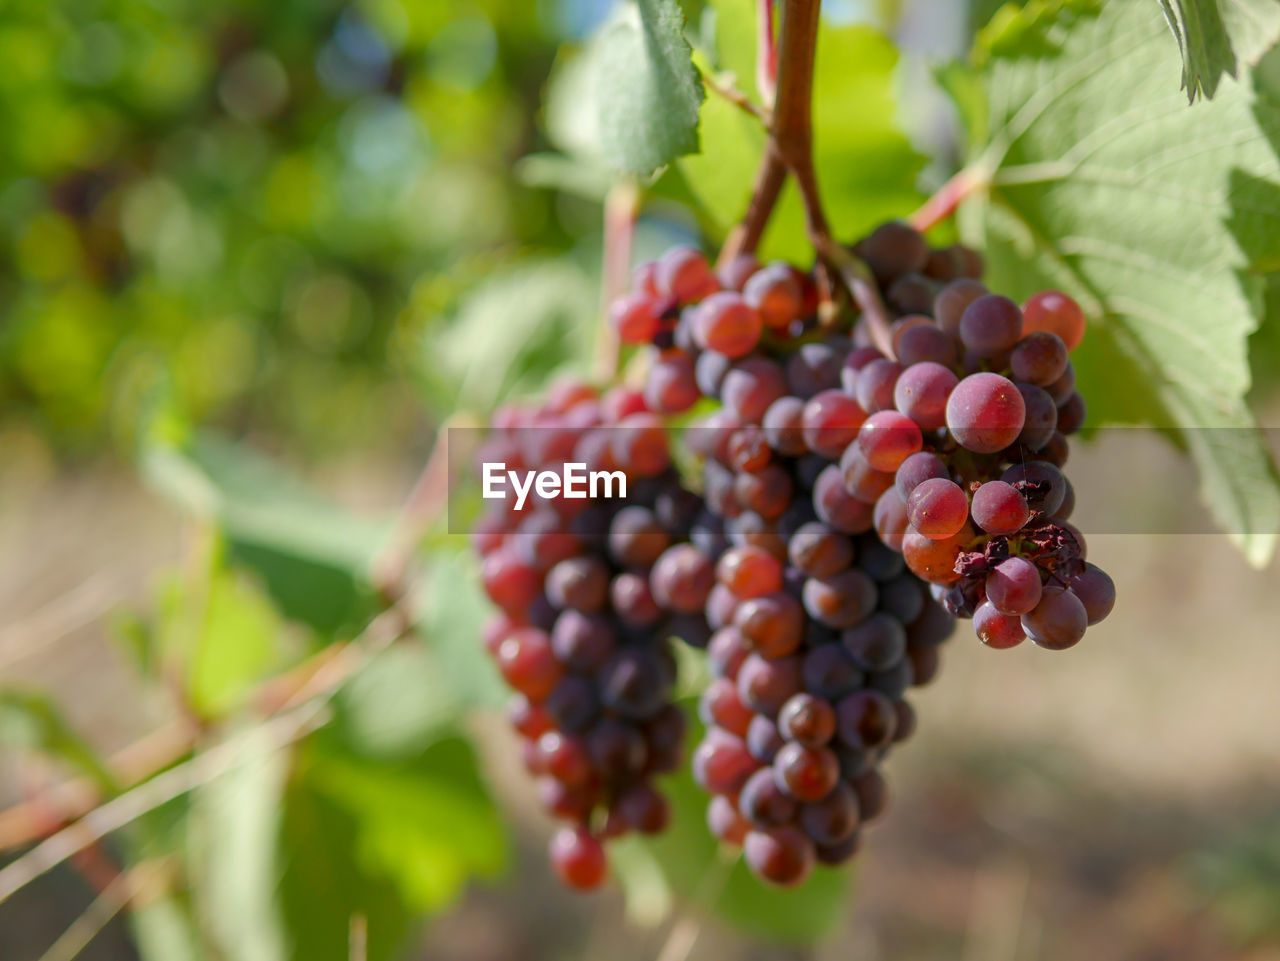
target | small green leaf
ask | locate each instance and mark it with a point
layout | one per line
(232, 644)
(313, 557)
(426, 824)
(1158, 219)
(452, 615)
(1217, 37)
(324, 885)
(511, 331)
(397, 703)
(648, 91)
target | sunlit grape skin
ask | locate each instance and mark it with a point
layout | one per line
(1057, 313)
(985, 413)
(578, 858)
(938, 508)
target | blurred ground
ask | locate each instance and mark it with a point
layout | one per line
(1071, 806)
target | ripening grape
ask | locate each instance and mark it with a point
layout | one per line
(1058, 621)
(776, 294)
(1013, 587)
(917, 469)
(782, 856)
(635, 317)
(921, 393)
(830, 422)
(887, 438)
(1096, 591)
(985, 413)
(893, 249)
(1054, 311)
(991, 325)
(772, 625)
(751, 386)
(953, 300)
(934, 560)
(808, 720)
(727, 324)
(1040, 358)
(937, 508)
(819, 551)
(764, 803)
(995, 629)
(998, 508)
(685, 274)
(875, 384)
(578, 858)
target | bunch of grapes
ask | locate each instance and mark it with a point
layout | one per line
(860, 483)
(590, 593)
(965, 434)
(820, 628)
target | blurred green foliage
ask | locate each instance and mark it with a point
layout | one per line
(253, 211)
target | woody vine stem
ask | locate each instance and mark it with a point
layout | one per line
(789, 152)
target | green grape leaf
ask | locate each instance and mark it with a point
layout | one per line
(398, 702)
(235, 824)
(223, 631)
(451, 617)
(313, 557)
(647, 89)
(1160, 220)
(866, 166)
(511, 331)
(687, 862)
(1216, 37)
(389, 840)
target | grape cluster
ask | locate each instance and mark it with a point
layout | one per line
(965, 430)
(855, 487)
(819, 627)
(590, 593)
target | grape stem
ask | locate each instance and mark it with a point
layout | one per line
(792, 133)
(947, 198)
(621, 206)
(745, 237)
(862, 287)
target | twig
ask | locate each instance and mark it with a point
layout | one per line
(428, 498)
(724, 87)
(302, 714)
(30, 820)
(745, 237)
(857, 277)
(78, 607)
(620, 209)
(110, 902)
(947, 198)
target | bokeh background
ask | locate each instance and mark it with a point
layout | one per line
(315, 228)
